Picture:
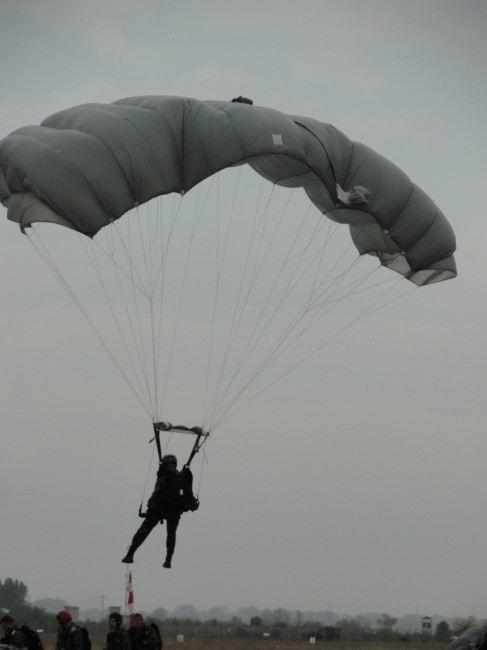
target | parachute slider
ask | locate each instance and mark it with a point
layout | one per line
(199, 432)
(167, 426)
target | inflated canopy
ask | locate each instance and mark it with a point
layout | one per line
(86, 166)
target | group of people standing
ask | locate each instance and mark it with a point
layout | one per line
(14, 636)
(139, 636)
(70, 636)
(172, 496)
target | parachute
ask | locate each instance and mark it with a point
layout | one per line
(87, 166)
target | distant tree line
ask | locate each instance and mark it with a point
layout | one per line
(13, 599)
(12, 592)
(251, 622)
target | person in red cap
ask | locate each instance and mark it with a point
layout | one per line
(69, 636)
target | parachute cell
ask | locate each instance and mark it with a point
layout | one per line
(86, 166)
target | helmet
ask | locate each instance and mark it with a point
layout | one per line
(169, 459)
(64, 616)
(115, 616)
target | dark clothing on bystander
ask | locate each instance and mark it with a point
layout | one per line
(118, 640)
(145, 637)
(16, 638)
(69, 638)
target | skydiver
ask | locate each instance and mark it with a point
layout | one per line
(172, 495)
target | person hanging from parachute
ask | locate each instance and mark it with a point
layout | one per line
(171, 497)
(87, 166)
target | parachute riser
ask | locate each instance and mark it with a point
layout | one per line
(196, 447)
(159, 453)
(157, 438)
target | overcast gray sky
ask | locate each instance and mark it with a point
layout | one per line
(358, 483)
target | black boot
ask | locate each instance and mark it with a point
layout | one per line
(167, 563)
(129, 558)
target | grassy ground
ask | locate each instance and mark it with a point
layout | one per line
(269, 644)
(171, 643)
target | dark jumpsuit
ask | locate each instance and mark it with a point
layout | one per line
(171, 497)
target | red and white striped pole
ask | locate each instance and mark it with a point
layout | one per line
(130, 598)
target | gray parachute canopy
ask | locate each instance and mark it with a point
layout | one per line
(86, 166)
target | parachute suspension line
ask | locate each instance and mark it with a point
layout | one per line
(43, 252)
(285, 342)
(147, 283)
(369, 311)
(220, 260)
(259, 226)
(148, 262)
(270, 356)
(194, 227)
(92, 258)
(242, 296)
(255, 336)
(163, 242)
(253, 340)
(138, 291)
(153, 276)
(145, 355)
(366, 312)
(159, 278)
(219, 270)
(393, 282)
(133, 313)
(331, 282)
(129, 268)
(143, 281)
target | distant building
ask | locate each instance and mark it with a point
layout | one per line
(74, 611)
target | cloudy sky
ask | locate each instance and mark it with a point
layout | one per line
(357, 484)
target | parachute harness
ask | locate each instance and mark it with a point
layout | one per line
(201, 436)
